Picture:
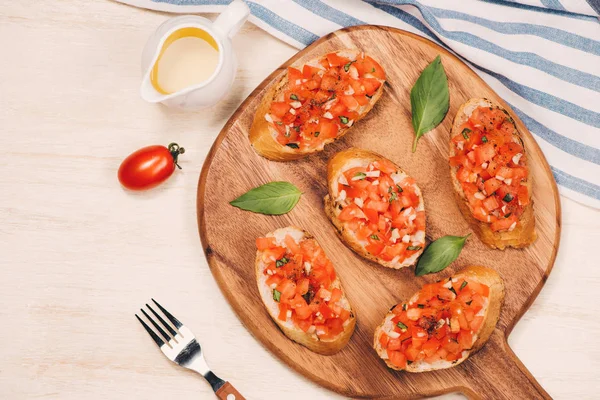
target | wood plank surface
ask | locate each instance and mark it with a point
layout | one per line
(228, 233)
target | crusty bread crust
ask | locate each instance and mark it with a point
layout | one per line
(480, 274)
(524, 234)
(311, 341)
(335, 167)
(262, 134)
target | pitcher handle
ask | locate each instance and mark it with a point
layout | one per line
(231, 20)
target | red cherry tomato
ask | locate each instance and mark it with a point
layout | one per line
(149, 166)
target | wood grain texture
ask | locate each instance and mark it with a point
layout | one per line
(228, 234)
(228, 392)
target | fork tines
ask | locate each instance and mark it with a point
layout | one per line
(176, 323)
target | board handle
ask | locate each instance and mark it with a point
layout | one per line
(506, 376)
(228, 392)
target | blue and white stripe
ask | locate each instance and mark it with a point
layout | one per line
(541, 56)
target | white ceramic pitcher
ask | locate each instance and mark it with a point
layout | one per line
(213, 89)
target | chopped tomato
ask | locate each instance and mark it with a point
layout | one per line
(279, 109)
(263, 243)
(503, 224)
(303, 293)
(439, 325)
(335, 60)
(491, 203)
(397, 358)
(486, 154)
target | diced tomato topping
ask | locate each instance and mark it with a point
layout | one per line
(439, 325)
(380, 207)
(301, 276)
(279, 109)
(301, 118)
(397, 358)
(503, 224)
(487, 157)
(335, 60)
(264, 243)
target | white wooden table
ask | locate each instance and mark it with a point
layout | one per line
(79, 255)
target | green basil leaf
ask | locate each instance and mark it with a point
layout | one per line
(429, 99)
(293, 145)
(344, 119)
(439, 254)
(401, 325)
(276, 295)
(274, 198)
(293, 97)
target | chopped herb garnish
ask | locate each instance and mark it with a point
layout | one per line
(276, 295)
(409, 362)
(297, 128)
(484, 139)
(293, 97)
(343, 119)
(508, 215)
(279, 122)
(373, 69)
(393, 197)
(317, 134)
(293, 145)
(308, 296)
(359, 176)
(468, 302)
(508, 197)
(466, 132)
(462, 286)
(421, 305)
(374, 237)
(401, 325)
(414, 248)
(452, 290)
(400, 190)
(347, 66)
(281, 262)
(404, 307)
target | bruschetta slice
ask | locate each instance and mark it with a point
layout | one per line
(315, 104)
(443, 323)
(301, 291)
(489, 172)
(376, 207)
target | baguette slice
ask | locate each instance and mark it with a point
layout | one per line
(398, 255)
(490, 313)
(263, 133)
(521, 235)
(309, 267)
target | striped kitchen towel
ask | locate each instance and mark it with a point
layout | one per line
(541, 56)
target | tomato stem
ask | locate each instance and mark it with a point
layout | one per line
(175, 151)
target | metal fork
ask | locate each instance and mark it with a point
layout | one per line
(182, 348)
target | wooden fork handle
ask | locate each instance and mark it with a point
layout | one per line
(228, 392)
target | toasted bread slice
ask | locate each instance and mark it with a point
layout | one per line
(318, 336)
(263, 133)
(523, 232)
(403, 250)
(490, 313)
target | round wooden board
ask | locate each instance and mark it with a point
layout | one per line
(228, 234)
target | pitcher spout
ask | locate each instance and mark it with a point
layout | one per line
(149, 92)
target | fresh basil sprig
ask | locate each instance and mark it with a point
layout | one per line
(429, 99)
(439, 254)
(274, 198)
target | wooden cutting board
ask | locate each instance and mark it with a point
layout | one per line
(228, 234)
